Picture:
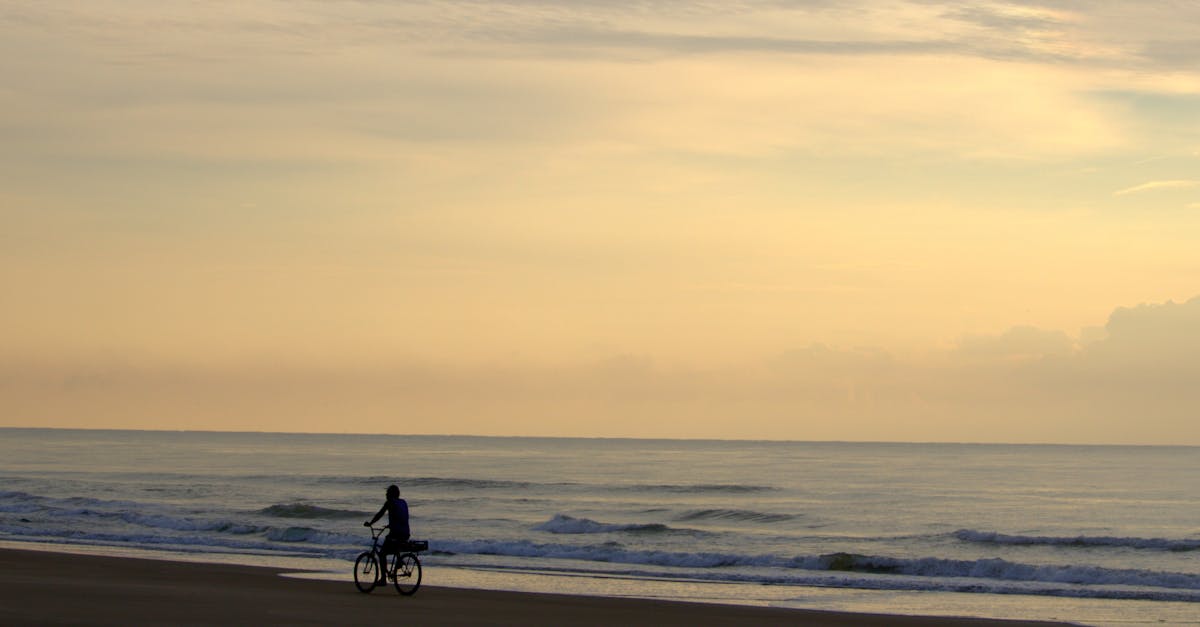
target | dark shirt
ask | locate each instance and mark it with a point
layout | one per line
(397, 511)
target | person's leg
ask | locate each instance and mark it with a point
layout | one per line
(389, 547)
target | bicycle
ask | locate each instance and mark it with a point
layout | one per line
(404, 569)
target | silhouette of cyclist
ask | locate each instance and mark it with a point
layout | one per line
(396, 509)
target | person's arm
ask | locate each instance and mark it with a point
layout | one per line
(382, 511)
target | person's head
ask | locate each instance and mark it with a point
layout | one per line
(393, 492)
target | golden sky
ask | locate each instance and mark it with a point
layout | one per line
(902, 220)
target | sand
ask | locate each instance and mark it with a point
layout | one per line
(43, 588)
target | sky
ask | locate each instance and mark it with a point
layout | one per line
(900, 220)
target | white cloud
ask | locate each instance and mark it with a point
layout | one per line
(1157, 185)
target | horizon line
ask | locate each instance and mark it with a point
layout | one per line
(586, 437)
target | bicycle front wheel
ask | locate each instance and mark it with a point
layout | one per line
(366, 571)
(408, 574)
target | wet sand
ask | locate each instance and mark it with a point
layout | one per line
(44, 588)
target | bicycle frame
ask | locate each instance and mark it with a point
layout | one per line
(376, 533)
(377, 548)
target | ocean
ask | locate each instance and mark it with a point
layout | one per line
(1097, 535)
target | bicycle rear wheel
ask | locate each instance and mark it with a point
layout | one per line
(366, 571)
(408, 574)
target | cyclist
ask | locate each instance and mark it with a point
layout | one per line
(396, 509)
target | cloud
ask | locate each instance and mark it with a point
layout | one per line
(374, 82)
(996, 31)
(680, 43)
(1151, 334)
(1008, 18)
(1157, 185)
(1136, 384)
(545, 174)
(1021, 342)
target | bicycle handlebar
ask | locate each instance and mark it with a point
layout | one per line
(375, 531)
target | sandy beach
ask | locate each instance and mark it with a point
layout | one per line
(44, 588)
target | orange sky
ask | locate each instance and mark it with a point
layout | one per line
(856, 221)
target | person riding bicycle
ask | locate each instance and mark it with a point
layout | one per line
(396, 509)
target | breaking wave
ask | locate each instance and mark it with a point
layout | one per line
(740, 515)
(304, 510)
(561, 523)
(1158, 544)
(929, 573)
(309, 535)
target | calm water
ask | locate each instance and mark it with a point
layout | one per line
(1098, 535)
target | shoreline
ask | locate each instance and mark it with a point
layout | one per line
(47, 587)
